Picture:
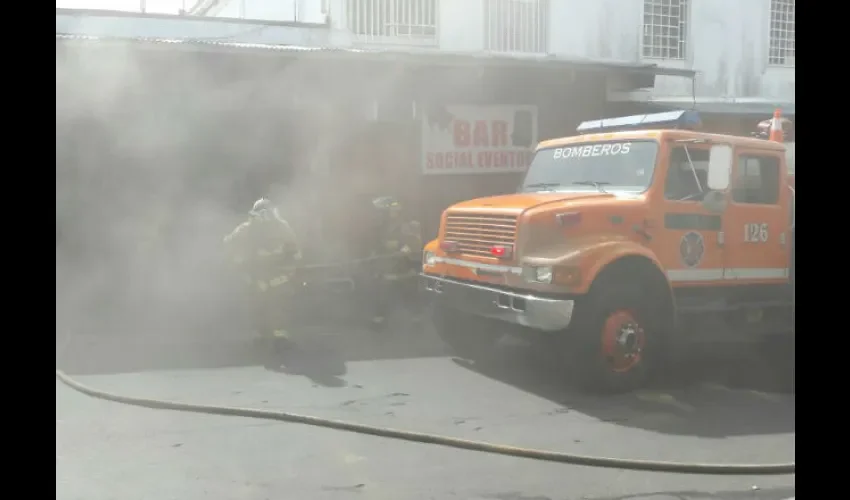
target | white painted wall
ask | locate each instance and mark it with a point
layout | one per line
(307, 11)
(461, 25)
(727, 46)
(728, 41)
(122, 25)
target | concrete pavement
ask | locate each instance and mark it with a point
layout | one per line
(722, 412)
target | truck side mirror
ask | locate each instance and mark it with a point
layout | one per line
(715, 201)
(719, 167)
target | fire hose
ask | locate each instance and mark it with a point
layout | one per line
(435, 439)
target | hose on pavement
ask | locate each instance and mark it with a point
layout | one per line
(434, 439)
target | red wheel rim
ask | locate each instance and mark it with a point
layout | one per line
(623, 340)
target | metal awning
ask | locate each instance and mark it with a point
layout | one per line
(409, 55)
(738, 108)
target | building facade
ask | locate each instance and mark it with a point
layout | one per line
(424, 78)
(743, 52)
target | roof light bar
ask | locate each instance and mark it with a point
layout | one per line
(687, 119)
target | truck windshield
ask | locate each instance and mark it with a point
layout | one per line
(599, 166)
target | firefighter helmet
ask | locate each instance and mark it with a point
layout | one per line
(261, 206)
(387, 203)
(763, 129)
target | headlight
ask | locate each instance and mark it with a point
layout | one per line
(542, 274)
(430, 259)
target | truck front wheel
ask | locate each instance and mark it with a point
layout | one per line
(467, 335)
(615, 343)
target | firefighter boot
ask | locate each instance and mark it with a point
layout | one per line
(272, 349)
(280, 351)
(266, 353)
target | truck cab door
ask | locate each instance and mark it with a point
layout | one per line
(690, 248)
(756, 223)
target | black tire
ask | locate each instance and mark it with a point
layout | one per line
(468, 336)
(628, 313)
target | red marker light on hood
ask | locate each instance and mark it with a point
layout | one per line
(501, 251)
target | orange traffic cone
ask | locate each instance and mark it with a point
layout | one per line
(776, 126)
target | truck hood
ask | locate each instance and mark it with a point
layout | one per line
(517, 203)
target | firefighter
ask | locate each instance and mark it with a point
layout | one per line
(787, 126)
(265, 250)
(395, 278)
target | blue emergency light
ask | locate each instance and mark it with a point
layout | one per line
(687, 119)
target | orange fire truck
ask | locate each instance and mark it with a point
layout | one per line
(625, 243)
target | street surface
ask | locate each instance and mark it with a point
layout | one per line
(725, 410)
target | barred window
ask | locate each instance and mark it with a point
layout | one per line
(665, 29)
(782, 30)
(393, 18)
(516, 26)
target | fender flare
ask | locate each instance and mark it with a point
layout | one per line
(603, 255)
(594, 257)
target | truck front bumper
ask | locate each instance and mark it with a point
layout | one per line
(535, 312)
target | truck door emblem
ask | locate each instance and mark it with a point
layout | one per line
(692, 248)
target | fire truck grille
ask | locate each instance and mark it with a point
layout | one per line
(476, 234)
